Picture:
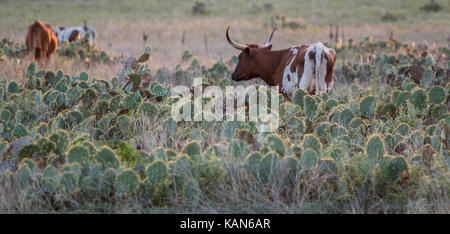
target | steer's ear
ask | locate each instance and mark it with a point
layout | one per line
(248, 51)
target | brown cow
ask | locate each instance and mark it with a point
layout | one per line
(40, 40)
(309, 67)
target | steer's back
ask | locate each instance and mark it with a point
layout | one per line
(40, 39)
(309, 67)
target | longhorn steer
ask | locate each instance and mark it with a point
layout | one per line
(74, 33)
(40, 40)
(309, 67)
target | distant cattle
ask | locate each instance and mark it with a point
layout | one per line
(74, 33)
(40, 40)
(309, 67)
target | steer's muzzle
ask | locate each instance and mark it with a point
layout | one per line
(235, 76)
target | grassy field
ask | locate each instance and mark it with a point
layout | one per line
(121, 24)
(74, 139)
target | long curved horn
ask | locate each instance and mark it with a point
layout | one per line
(269, 40)
(234, 44)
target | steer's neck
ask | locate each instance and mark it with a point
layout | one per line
(268, 66)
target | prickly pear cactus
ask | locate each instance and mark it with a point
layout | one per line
(298, 97)
(268, 166)
(46, 146)
(291, 165)
(345, 116)
(28, 151)
(19, 131)
(252, 163)
(193, 149)
(276, 144)
(61, 140)
(310, 141)
(23, 177)
(238, 149)
(5, 116)
(375, 148)
(191, 192)
(124, 123)
(327, 167)
(108, 182)
(49, 180)
(310, 107)
(396, 167)
(436, 95)
(68, 182)
(107, 158)
(418, 98)
(309, 159)
(13, 87)
(403, 129)
(157, 172)
(367, 107)
(148, 109)
(127, 182)
(80, 155)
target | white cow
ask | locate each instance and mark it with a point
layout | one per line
(74, 33)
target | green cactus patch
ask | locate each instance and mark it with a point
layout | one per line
(436, 95)
(127, 182)
(298, 97)
(418, 98)
(375, 148)
(68, 182)
(310, 141)
(193, 149)
(191, 192)
(291, 165)
(327, 167)
(108, 182)
(310, 107)
(31, 70)
(13, 87)
(309, 159)
(276, 144)
(88, 187)
(124, 123)
(107, 158)
(43, 128)
(76, 143)
(19, 131)
(268, 166)
(49, 181)
(356, 122)
(427, 79)
(157, 172)
(345, 116)
(330, 104)
(238, 149)
(78, 154)
(28, 151)
(148, 109)
(367, 107)
(23, 177)
(61, 140)
(5, 116)
(403, 129)
(252, 163)
(396, 167)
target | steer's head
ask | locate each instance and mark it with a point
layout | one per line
(247, 65)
